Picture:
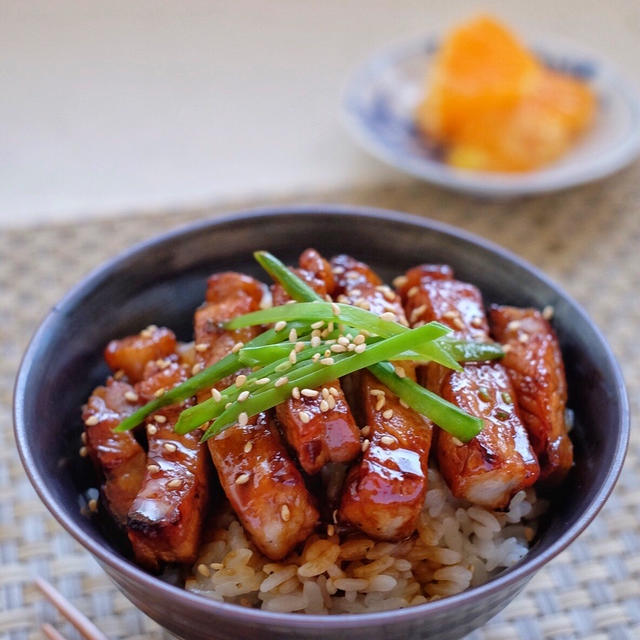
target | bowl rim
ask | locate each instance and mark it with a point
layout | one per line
(500, 185)
(235, 613)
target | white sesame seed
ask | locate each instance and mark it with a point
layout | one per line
(363, 304)
(304, 417)
(170, 447)
(295, 393)
(332, 402)
(243, 478)
(118, 375)
(279, 326)
(327, 353)
(131, 396)
(243, 395)
(159, 392)
(283, 366)
(160, 418)
(292, 356)
(365, 430)
(197, 368)
(327, 361)
(91, 421)
(299, 346)
(376, 392)
(316, 333)
(338, 348)
(514, 325)
(449, 315)
(216, 566)
(226, 406)
(176, 483)
(506, 348)
(476, 322)
(389, 295)
(335, 309)
(84, 452)
(359, 339)
(204, 570)
(458, 324)
(400, 372)
(403, 403)
(153, 468)
(243, 419)
(331, 530)
(388, 414)
(400, 281)
(280, 381)
(412, 292)
(365, 445)
(344, 341)
(457, 442)
(387, 440)
(315, 341)
(261, 381)
(201, 346)
(547, 312)
(152, 429)
(360, 348)
(248, 446)
(334, 516)
(285, 514)
(343, 299)
(293, 335)
(318, 325)
(216, 395)
(380, 403)
(83, 437)
(523, 337)
(237, 346)
(315, 357)
(93, 505)
(355, 293)
(240, 380)
(334, 392)
(324, 406)
(417, 312)
(338, 270)
(310, 393)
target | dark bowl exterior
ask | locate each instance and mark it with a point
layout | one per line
(162, 281)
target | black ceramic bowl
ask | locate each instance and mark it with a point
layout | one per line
(163, 280)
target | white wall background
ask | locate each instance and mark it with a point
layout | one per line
(109, 107)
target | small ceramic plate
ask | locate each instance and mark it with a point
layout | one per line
(381, 97)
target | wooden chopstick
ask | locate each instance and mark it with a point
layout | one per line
(51, 632)
(75, 617)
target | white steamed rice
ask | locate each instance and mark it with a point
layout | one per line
(457, 545)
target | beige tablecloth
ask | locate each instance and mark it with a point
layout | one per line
(588, 239)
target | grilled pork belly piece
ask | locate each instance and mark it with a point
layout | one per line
(166, 518)
(499, 461)
(132, 353)
(533, 361)
(261, 481)
(384, 491)
(264, 486)
(117, 457)
(318, 424)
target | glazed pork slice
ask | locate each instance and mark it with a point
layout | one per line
(534, 363)
(384, 491)
(131, 354)
(117, 457)
(264, 487)
(272, 501)
(317, 423)
(166, 517)
(499, 461)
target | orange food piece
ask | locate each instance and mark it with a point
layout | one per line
(495, 107)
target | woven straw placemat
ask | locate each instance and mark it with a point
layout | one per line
(588, 239)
